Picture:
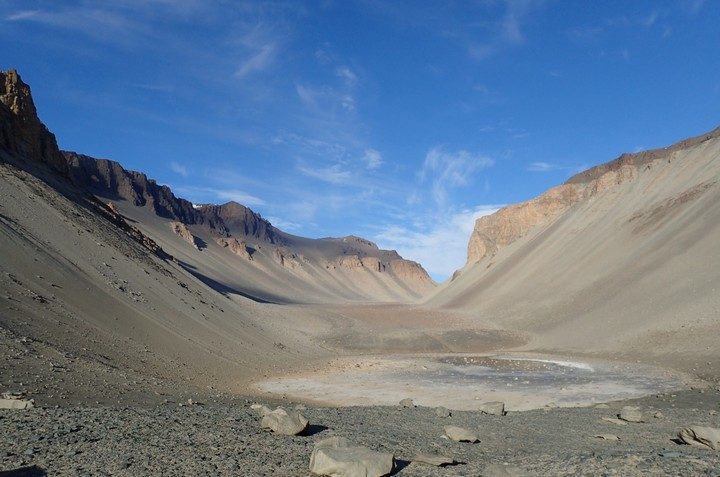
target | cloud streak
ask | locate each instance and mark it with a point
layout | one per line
(446, 170)
(442, 247)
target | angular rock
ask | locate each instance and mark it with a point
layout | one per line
(433, 459)
(631, 414)
(614, 420)
(16, 404)
(607, 437)
(335, 457)
(407, 403)
(500, 470)
(707, 437)
(459, 434)
(281, 421)
(495, 408)
(442, 412)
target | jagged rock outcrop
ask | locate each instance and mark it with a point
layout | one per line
(241, 221)
(373, 264)
(502, 228)
(183, 232)
(110, 180)
(287, 258)
(409, 271)
(21, 131)
(235, 246)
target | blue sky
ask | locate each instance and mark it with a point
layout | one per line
(396, 121)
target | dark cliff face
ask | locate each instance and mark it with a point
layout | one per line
(243, 222)
(21, 131)
(110, 180)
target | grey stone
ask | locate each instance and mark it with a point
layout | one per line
(460, 434)
(442, 412)
(335, 457)
(16, 404)
(708, 437)
(407, 403)
(281, 421)
(496, 408)
(631, 414)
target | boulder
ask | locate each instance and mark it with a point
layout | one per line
(407, 403)
(433, 459)
(261, 409)
(16, 404)
(442, 412)
(500, 470)
(631, 414)
(459, 434)
(281, 421)
(335, 457)
(707, 437)
(495, 408)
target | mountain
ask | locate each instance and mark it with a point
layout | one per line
(227, 244)
(621, 258)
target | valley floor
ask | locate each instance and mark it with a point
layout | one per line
(222, 436)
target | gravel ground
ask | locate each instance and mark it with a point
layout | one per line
(224, 438)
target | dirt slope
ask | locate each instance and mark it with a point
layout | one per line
(621, 259)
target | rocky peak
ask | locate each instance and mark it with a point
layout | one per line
(21, 131)
(241, 221)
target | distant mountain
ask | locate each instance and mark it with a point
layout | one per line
(275, 265)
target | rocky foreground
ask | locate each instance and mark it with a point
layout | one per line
(226, 438)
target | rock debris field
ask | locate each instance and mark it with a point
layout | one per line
(225, 437)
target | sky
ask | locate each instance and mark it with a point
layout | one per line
(398, 121)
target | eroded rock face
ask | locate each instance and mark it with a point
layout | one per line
(242, 222)
(410, 271)
(235, 246)
(498, 230)
(287, 258)
(110, 180)
(21, 131)
(183, 232)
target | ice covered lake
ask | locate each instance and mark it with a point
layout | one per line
(463, 382)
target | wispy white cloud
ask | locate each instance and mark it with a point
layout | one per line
(542, 167)
(347, 75)
(373, 159)
(650, 19)
(282, 224)
(258, 60)
(212, 194)
(334, 174)
(179, 169)
(442, 247)
(444, 170)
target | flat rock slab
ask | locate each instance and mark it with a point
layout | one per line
(16, 404)
(499, 470)
(281, 421)
(335, 457)
(495, 408)
(607, 437)
(614, 420)
(433, 459)
(460, 434)
(707, 437)
(631, 414)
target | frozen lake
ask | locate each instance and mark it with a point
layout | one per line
(463, 382)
